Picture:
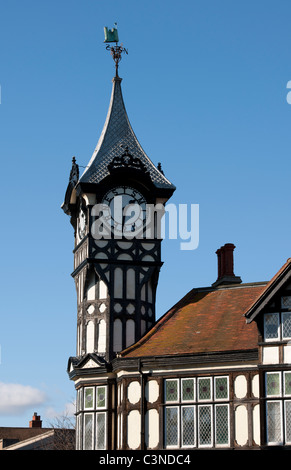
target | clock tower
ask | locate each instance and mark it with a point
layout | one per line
(114, 208)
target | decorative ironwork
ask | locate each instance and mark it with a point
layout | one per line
(116, 51)
(126, 160)
(74, 174)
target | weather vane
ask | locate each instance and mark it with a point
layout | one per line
(111, 35)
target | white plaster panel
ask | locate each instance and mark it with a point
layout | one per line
(152, 391)
(91, 288)
(271, 355)
(117, 335)
(152, 429)
(241, 425)
(90, 337)
(130, 285)
(103, 292)
(256, 425)
(256, 386)
(130, 332)
(133, 429)
(240, 386)
(134, 392)
(102, 337)
(287, 354)
(118, 282)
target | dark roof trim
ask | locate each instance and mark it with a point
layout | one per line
(282, 276)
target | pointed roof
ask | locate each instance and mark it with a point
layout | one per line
(116, 136)
(272, 287)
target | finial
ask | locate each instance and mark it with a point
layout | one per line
(160, 168)
(116, 51)
(74, 174)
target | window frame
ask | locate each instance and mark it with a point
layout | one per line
(92, 430)
(281, 399)
(212, 402)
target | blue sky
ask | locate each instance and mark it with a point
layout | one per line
(204, 85)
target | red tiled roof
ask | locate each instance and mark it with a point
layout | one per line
(204, 321)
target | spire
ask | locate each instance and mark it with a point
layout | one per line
(116, 136)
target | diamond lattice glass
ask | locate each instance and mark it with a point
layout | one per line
(101, 397)
(188, 389)
(188, 426)
(286, 324)
(171, 390)
(205, 425)
(288, 422)
(287, 383)
(204, 389)
(100, 431)
(88, 431)
(273, 384)
(171, 426)
(271, 325)
(221, 388)
(286, 301)
(89, 397)
(274, 420)
(221, 424)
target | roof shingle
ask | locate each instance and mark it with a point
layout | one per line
(204, 321)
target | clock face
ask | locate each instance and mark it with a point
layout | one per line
(126, 211)
(81, 224)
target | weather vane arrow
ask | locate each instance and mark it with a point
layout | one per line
(111, 36)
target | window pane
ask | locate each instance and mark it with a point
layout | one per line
(286, 301)
(221, 388)
(221, 425)
(100, 431)
(204, 425)
(273, 387)
(271, 325)
(204, 389)
(274, 420)
(101, 395)
(172, 390)
(188, 390)
(287, 383)
(286, 325)
(171, 427)
(288, 422)
(89, 398)
(88, 432)
(188, 426)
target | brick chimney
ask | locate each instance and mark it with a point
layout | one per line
(35, 422)
(225, 266)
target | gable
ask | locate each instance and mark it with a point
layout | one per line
(88, 361)
(276, 285)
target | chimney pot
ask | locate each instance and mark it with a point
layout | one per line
(225, 266)
(35, 422)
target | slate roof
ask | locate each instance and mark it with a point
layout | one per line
(116, 136)
(206, 320)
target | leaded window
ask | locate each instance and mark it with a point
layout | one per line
(277, 325)
(278, 407)
(89, 398)
(92, 418)
(88, 431)
(196, 412)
